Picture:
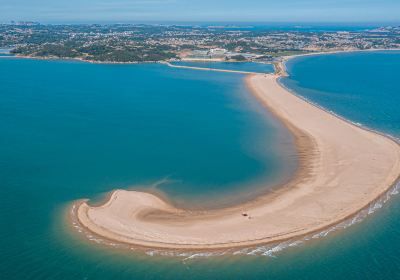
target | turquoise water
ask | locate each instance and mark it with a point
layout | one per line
(35, 241)
(359, 86)
(99, 127)
(237, 66)
(72, 130)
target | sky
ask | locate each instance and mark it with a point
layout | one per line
(366, 11)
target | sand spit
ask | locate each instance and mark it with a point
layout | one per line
(343, 169)
(210, 69)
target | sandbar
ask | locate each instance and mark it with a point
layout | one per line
(342, 169)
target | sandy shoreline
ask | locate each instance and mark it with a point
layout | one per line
(342, 169)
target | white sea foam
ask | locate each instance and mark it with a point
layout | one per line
(269, 250)
(266, 250)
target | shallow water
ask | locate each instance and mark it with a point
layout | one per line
(37, 243)
(72, 130)
(359, 86)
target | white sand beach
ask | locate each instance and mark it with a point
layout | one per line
(342, 169)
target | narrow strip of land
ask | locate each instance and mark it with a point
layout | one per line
(210, 69)
(343, 168)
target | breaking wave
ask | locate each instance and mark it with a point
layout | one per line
(269, 250)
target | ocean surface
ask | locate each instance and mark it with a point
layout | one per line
(236, 66)
(72, 130)
(359, 86)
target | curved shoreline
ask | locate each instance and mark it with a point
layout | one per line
(295, 210)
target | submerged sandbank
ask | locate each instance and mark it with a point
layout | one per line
(343, 168)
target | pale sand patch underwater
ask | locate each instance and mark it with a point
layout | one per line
(343, 168)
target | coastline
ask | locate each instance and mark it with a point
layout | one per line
(80, 60)
(281, 68)
(154, 223)
(276, 64)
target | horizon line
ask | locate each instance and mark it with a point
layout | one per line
(226, 22)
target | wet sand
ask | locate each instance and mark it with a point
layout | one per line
(342, 169)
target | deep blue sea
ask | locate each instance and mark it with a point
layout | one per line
(73, 130)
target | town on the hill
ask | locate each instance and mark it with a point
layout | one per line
(127, 43)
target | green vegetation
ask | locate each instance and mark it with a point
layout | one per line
(238, 58)
(142, 43)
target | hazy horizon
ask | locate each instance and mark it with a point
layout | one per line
(298, 24)
(162, 11)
